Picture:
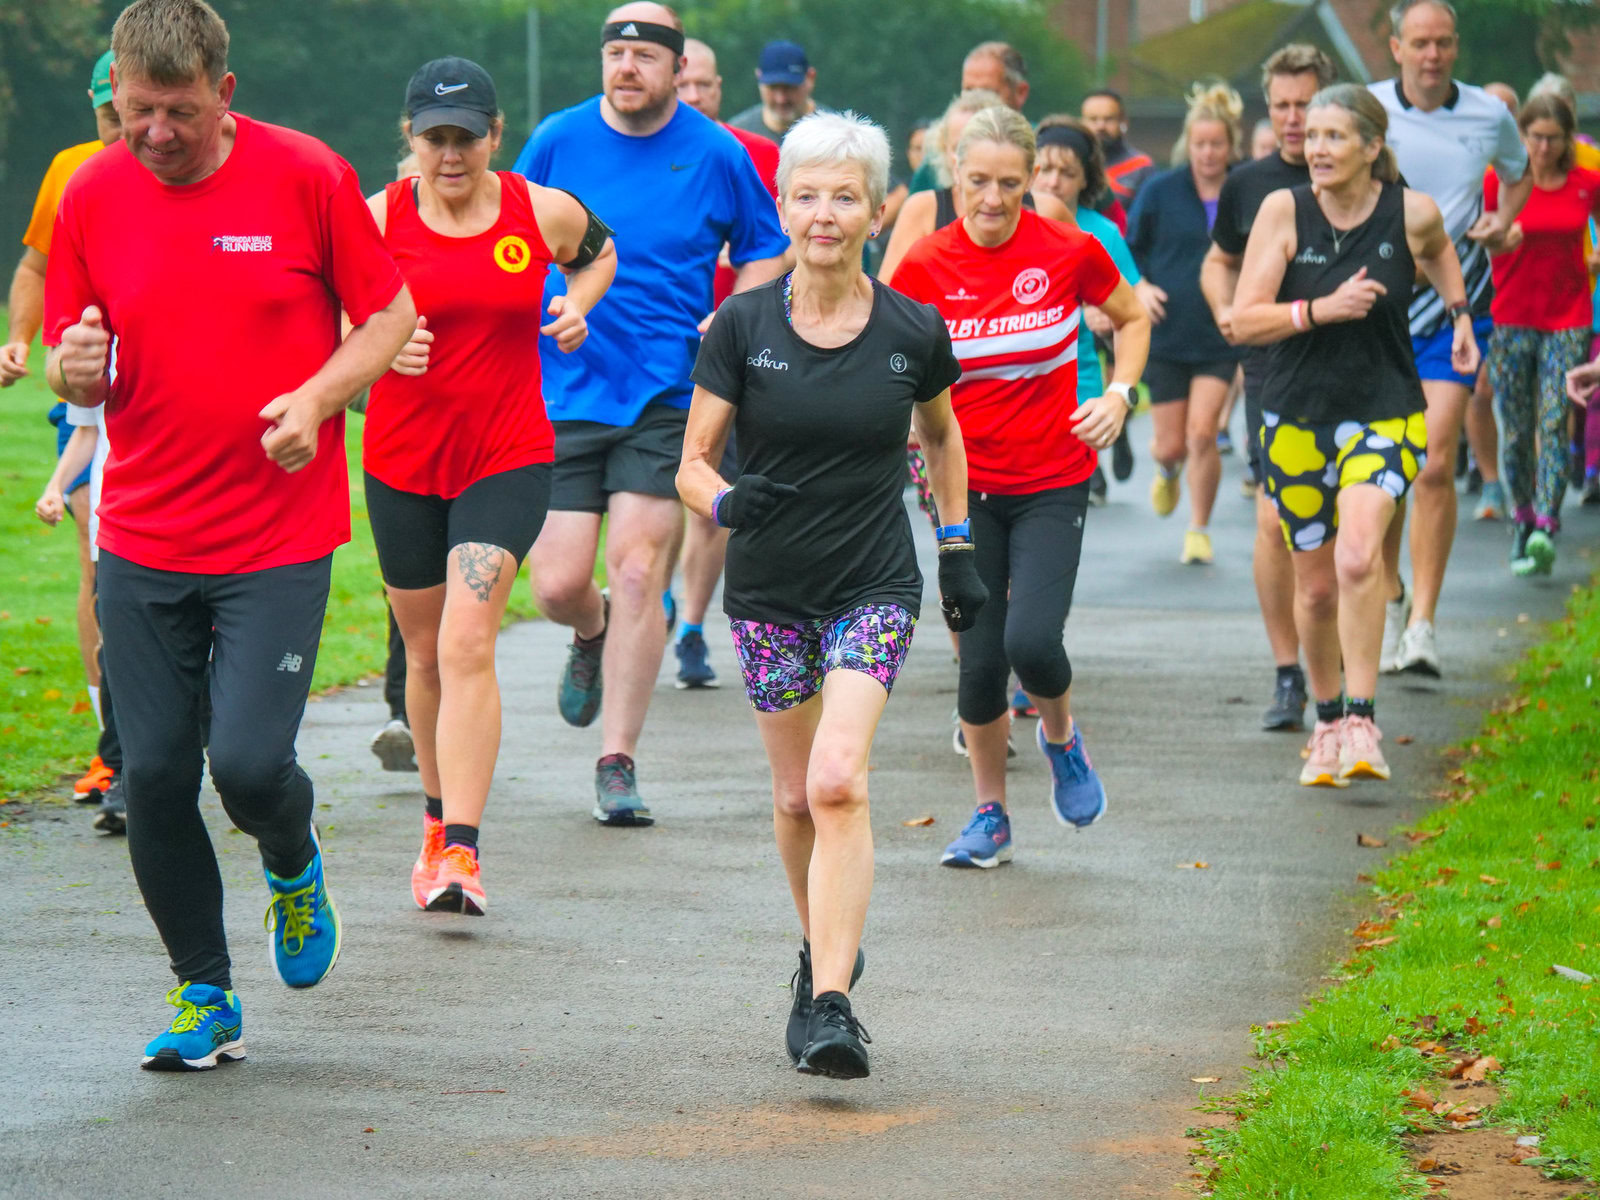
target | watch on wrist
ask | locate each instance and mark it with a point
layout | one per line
(962, 530)
(1458, 310)
(1125, 390)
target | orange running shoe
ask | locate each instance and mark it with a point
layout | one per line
(91, 789)
(427, 864)
(457, 887)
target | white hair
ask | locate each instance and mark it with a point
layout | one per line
(1559, 86)
(828, 139)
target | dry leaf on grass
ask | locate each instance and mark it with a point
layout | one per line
(1366, 839)
(1194, 866)
(916, 821)
(1474, 1070)
(1490, 880)
(1376, 942)
(1422, 835)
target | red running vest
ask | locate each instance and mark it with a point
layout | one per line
(478, 410)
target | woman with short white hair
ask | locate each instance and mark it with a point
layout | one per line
(823, 373)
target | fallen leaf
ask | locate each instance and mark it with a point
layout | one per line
(1493, 923)
(43, 620)
(1427, 1164)
(369, 1129)
(1554, 865)
(1423, 835)
(1389, 1043)
(916, 821)
(1520, 1154)
(1383, 941)
(1490, 880)
(50, 694)
(1194, 866)
(82, 706)
(1204, 1079)
(1366, 839)
(1420, 1098)
(1473, 1027)
(1405, 739)
(1369, 929)
(22, 670)
(1481, 1069)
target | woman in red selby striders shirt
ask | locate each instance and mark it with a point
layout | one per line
(457, 446)
(1542, 317)
(1009, 284)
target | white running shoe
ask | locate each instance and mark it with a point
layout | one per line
(1359, 755)
(1396, 616)
(1322, 757)
(1417, 654)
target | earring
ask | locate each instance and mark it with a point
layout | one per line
(874, 233)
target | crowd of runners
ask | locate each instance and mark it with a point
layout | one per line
(713, 351)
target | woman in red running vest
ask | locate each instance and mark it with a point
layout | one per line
(1009, 284)
(457, 447)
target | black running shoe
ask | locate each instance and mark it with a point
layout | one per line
(112, 815)
(836, 1043)
(1097, 488)
(800, 1013)
(1288, 707)
(1122, 456)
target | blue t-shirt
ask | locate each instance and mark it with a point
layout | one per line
(673, 198)
(1104, 230)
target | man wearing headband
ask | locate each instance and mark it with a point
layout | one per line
(674, 187)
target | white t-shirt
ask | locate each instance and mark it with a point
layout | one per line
(96, 416)
(1445, 153)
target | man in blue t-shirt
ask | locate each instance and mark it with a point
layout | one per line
(674, 187)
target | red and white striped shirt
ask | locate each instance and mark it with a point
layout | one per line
(1013, 312)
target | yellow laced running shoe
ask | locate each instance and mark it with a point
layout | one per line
(1164, 492)
(206, 1031)
(1196, 548)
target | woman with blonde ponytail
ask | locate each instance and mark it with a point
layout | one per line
(1191, 364)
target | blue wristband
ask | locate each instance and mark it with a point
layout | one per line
(716, 507)
(963, 530)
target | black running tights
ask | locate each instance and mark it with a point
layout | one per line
(259, 630)
(1026, 550)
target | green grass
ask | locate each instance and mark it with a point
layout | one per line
(1507, 886)
(41, 736)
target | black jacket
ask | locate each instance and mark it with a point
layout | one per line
(1169, 238)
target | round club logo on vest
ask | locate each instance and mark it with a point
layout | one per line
(1385, 250)
(897, 363)
(1030, 285)
(511, 254)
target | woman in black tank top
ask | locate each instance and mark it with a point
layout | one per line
(1326, 281)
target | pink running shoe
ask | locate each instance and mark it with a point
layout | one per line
(458, 887)
(1322, 757)
(1359, 756)
(427, 864)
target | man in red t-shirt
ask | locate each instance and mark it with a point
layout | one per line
(196, 278)
(705, 544)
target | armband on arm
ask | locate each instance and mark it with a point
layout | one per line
(594, 238)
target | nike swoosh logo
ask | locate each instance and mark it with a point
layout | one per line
(440, 89)
(684, 166)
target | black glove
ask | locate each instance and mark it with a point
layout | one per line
(751, 501)
(961, 592)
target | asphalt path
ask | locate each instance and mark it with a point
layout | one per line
(614, 1027)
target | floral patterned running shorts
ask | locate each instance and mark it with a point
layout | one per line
(785, 665)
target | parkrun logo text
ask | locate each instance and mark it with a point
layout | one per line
(232, 244)
(1310, 257)
(765, 359)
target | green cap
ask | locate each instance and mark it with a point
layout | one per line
(100, 81)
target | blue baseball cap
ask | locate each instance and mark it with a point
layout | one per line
(783, 63)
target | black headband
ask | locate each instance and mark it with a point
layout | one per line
(1068, 138)
(643, 31)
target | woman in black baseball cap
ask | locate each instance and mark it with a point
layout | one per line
(457, 447)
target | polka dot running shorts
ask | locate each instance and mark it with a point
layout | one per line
(785, 665)
(1309, 463)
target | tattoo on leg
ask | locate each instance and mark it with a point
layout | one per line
(480, 568)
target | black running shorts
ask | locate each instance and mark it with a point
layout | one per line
(593, 460)
(415, 533)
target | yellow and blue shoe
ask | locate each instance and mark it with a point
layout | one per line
(206, 1031)
(302, 924)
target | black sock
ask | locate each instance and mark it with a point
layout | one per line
(1359, 708)
(434, 806)
(461, 835)
(1329, 711)
(1292, 673)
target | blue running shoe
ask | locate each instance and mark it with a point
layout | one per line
(581, 688)
(985, 842)
(694, 662)
(1076, 793)
(302, 924)
(206, 1031)
(616, 793)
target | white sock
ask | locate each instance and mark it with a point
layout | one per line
(94, 703)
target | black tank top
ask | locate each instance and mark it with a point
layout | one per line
(945, 206)
(1350, 370)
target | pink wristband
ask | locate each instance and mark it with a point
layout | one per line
(1297, 314)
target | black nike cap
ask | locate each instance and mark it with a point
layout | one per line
(451, 91)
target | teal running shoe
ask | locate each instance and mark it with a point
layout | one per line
(302, 924)
(581, 688)
(206, 1031)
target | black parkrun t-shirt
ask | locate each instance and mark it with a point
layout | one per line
(834, 423)
(1242, 193)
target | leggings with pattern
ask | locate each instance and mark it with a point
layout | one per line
(1528, 369)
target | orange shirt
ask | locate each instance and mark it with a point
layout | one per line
(42, 225)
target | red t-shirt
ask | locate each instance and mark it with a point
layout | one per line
(1544, 282)
(764, 153)
(478, 410)
(1013, 312)
(220, 296)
